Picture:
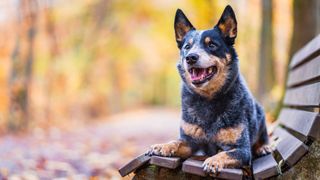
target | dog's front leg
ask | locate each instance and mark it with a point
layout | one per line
(178, 148)
(234, 158)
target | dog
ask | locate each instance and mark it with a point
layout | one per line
(219, 114)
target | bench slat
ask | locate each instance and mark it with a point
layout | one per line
(308, 95)
(304, 122)
(168, 162)
(265, 167)
(312, 47)
(134, 164)
(193, 166)
(304, 73)
(290, 148)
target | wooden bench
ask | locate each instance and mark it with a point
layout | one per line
(298, 126)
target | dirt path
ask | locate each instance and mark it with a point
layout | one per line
(95, 150)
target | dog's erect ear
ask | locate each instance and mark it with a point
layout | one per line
(181, 26)
(228, 25)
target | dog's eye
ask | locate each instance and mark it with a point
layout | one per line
(211, 45)
(187, 46)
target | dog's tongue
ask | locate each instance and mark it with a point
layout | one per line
(198, 74)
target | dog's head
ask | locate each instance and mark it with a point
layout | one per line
(206, 56)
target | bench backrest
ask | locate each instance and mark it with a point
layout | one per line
(300, 115)
(299, 118)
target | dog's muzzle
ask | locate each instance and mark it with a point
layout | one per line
(201, 75)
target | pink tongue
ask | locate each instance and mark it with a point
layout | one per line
(198, 74)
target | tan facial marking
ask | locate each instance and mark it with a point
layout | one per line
(207, 40)
(229, 135)
(192, 130)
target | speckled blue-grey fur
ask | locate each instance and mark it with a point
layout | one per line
(219, 114)
(232, 105)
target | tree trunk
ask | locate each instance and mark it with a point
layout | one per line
(21, 71)
(306, 23)
(266, 73)
(54, 50)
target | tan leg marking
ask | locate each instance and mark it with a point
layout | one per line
(219, 161)
(193, 130)
(229, 135)
(173, 148)
(261, 149)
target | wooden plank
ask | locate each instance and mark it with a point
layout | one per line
(193, 166)
(306, 72)
(308, 95)
(304, 122)
(290, 148)
(312, 47)
(265, 167)
(168, 162)
(134, 164)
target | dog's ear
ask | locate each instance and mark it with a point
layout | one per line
(181, 26)
(228, 25)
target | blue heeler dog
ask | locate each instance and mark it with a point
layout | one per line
(219, 114)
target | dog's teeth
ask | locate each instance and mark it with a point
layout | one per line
(210, 70)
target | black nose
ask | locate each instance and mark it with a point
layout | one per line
(192, 58)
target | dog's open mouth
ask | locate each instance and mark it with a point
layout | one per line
(202, 75)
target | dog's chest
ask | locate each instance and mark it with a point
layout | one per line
(208, 127)
(213, 134)
(198, 128)
(202, 111)
(207, 121)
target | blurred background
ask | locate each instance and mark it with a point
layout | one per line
(85, 85)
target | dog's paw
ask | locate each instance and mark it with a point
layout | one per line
(263, 150)
(212, 165)
(167, 149)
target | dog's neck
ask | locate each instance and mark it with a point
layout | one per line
(232, 83)
(228, 90)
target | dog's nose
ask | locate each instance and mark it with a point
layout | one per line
(192, 58)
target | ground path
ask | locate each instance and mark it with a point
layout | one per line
(93, 150)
